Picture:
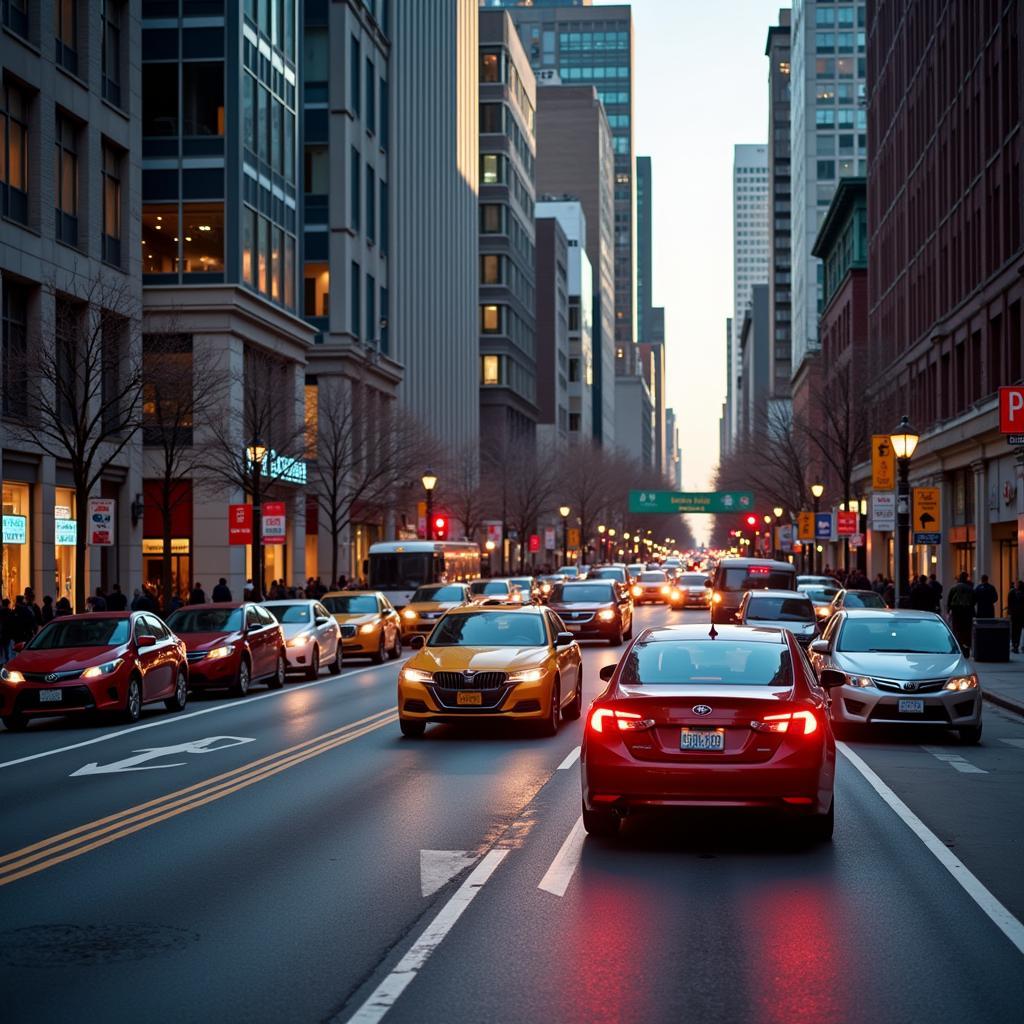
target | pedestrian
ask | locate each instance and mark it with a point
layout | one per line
(221, 592)
(24, 621)
(985, 597)
(197, 595)
(7, 629)
(936, 591)
(1015, 606)
(889, 593)
(30, 600)
(960, 605)
(879, 585)
(62, 607)
(921, 597)
(98, 602)
(47, 609)
(116, 600)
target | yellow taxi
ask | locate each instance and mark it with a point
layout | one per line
(428, 604)
(368, 621)
(492, 662)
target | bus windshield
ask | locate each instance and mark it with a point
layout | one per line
(400, 570)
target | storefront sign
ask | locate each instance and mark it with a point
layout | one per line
(549, 538)
(101, 522)
(926, 520)
(275, 525)
(15, 529)
(573, 536)
(823, 526)
(805, 525)
(155, 545)
(1011, 410)
(846, 524)
(883, 510)
(61, 512)
(283, 469)
(883, 463)
(493, 531)
(239, 524)
(857, 540)
(65, 532)
(785, 542)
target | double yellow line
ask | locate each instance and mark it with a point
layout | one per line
(47, 853)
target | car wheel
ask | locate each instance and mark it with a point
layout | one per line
(549, 725)
(616, 640)
(15, 723)
(276, 681)
(335, 666)
(601, 824)
(628, 635)
(180, 698)
(133, 700)
(381, 653)
(396, 651)
(242, 680)
(970, 734)
(314, 664)
(572, 710)
(412, 728)
(819, 828)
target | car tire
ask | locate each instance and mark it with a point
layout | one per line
(970, 734)
(572, 710)
(412, 728)
(277, 680)
(16, 722)
(601, 824)
(396, 651)
(180, 698)
(549, 725)
(628, 635)
(335, 666)
(132, 711)
(243, 680)
(314, 663)
(819, 828)
(616, 640)
(381, 653)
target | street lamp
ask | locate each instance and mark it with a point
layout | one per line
(256, 453)
(600, 542)
(429, 481)
(904, 443)
(563, 511)
(817, 490)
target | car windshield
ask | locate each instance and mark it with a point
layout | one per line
(608, 574)
(756, 577)
(289, 613)
(489, 629)
(582, 593)
(896, 635)
(862, 599)
(81, 633)
(450, 593)
(692, 579)
(653, 577)
(351, 604)
(708, 661)
(523, 582)
(569, 570)
(780, 609)
(205, 620)
(819, 593)
(485, 587)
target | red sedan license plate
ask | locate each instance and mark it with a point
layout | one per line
(702, 739)
(49, 696)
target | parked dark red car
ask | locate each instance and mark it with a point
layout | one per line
(231, 646)
(104, 661)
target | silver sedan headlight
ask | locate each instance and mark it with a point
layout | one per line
(963, 683)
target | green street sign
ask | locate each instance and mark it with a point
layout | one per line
(690, 501)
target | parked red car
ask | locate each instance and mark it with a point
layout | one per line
(231, 646)
(104, 661)
(728, 717)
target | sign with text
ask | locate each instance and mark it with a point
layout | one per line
(785, 534)
(534, 542)
(65, 532)
(1011, 410)
(846, 523)
(690, 501)
(857, 540)
(275, 525)
(549, 538)
(15, 529)
(573, 538)
(926, 517)
(101, 522)
(822, 526)
(883, 510)
(805, 525)
(239, 524)
(155, 545)
(883, 463)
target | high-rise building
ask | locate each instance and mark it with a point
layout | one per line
(508, 357)
(726, 431)
(553, 312)
(749, 246)
(780, 278)
(674, 467)
(754, 343)
(435, 169)
(644, 236)
(634, 414)
(574, 159)
(828, 141)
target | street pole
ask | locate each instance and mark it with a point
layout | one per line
(902, 526)
(814, 544)
(430, 515)
(256, 556)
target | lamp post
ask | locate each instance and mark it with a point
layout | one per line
(600, 542)
(777, 512)
(255, 453)
(904, 442)
(429, 481)
(817, 490)
(563, 511)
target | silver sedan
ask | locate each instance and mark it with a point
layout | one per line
(312, 636)
(899, 667)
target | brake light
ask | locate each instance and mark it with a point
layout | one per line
(758, 570)
(627, 721)
(796, 723)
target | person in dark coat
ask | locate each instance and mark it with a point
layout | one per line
(221, 592)
(1015, 606)
(116, 601)
(24, 621)
(921, 597)
(985, 598)
(198, 595)
(48, 612)
(7, 628)
(960, 605)
(937, 591)
(62, 607)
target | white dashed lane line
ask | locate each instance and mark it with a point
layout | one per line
(957, 761)
(570, 759)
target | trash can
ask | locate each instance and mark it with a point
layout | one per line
(990, 640)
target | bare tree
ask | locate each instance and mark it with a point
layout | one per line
(80, 384)
(462, 491)
(586, 486)
(531, 486)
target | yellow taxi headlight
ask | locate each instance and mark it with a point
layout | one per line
(408, 614)
(415, 675)
(528, 675)
(368, 627)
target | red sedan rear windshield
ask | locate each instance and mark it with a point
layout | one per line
(81, 633)
(733, 662)
(205, 620)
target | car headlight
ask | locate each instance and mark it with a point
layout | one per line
(299, 640)
(368, 627)
(860, 681)
(606, 614)
(545, 588)
(103, 670)
(11, 675)
(528, 675)
(637, 591)
(716, 597)
(676, 595)
(821, 611)
(962, 683)
(665, 589)
(409, 614)
(415, 675)
(220, 652)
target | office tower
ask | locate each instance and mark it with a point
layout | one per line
(754, 342)
(644, 235)
(634, 415)
(552, 319)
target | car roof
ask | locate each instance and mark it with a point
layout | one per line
(858, 590)
(702, 631)
(743, 563)
(499, 609)
(214, 604)
(95, 615)
(889, 613)
(588, 582)
(789, 595)
(290, 600)
(353, 593)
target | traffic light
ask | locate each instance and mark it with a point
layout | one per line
(751, 521)
(440, 527)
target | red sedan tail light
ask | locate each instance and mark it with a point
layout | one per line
(627, 721)
(796, 723)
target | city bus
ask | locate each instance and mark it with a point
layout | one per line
(397, 568)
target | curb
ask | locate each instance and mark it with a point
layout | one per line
(1004, 702)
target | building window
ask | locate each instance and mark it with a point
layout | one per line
(316, 289)
(490, 269)
(354, 168)
(14, 153)
(574, 421)
(65, 30)
(826, 170)
(490, 118)
(111, 205)
(160, 99)
(385, 130)
(491, 218)
(371, 98)
(263, 255)
(249, 246)
(490, 67)
(490, 319)
(385, 219)
(160, 239)
(371, 311)
(202, 87)
(277, 244)
(315, 172)
(248, 111)
(371, 203)
(492, 170)
(354, 295)
(110, 18)
(355, 66)
(16, 16)
(491, 369)
(66, 180)
(203, 237)
(13, 358)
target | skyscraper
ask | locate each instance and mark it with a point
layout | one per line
(644, 267)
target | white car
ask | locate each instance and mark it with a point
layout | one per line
(780, 609)
(312, 637)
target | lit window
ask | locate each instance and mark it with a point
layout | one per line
(491, 370)
(490, 168)
(160, 239)
(490, 269)
(203, 238)
(490, 319)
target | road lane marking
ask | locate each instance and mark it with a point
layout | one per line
(387, 992)
(82, 839)
(439, 867)
(570, 759)
(557, 877)
(1014, 742)
(957, 761)
(137, 763)
(181, 717)
(990, 906)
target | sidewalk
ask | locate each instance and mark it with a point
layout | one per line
(1002, 682)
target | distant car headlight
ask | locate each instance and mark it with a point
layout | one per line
(716, 597)
(409, 614)
(665, 589)
(220, 652)
(299, 640)
(821, 611)
(606, 614)
(675, 595)
(637, 590)
(11, 675)
(103, 670)
(545, 588)
(415, 675)
(962, 683)
(527, 675)
(368, 627)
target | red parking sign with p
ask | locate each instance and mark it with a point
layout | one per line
(1011, 410)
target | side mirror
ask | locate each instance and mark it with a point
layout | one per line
(322, 620)
(830, 679)
(607, 671)
(821, 646)
(563, 639)
(145, 641)
(417, 643)
(19, 646)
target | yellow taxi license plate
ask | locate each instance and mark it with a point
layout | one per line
(469, 697)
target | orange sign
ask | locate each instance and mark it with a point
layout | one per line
(883, 463)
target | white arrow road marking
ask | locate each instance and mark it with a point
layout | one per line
(557, 877)
(438, 867)
(957, 761)
(137, 763)
(387, 992)
(570, 759)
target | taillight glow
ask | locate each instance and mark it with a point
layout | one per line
(627, 721)
(796, 723)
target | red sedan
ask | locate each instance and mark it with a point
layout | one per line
(731, 717)
(231, 646)
(105, 661)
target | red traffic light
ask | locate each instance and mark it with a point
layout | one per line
(751, 521)
(440, 527)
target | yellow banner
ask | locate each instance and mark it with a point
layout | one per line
(927, 515)
(573, 537)
(805, 525)
(883, 463)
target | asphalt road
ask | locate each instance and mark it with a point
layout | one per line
(289, 857)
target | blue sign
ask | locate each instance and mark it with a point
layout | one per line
(15, 530)
(822, 525)
(927, 538)
(283, 469)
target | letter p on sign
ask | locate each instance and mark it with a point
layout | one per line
(1011, 410)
